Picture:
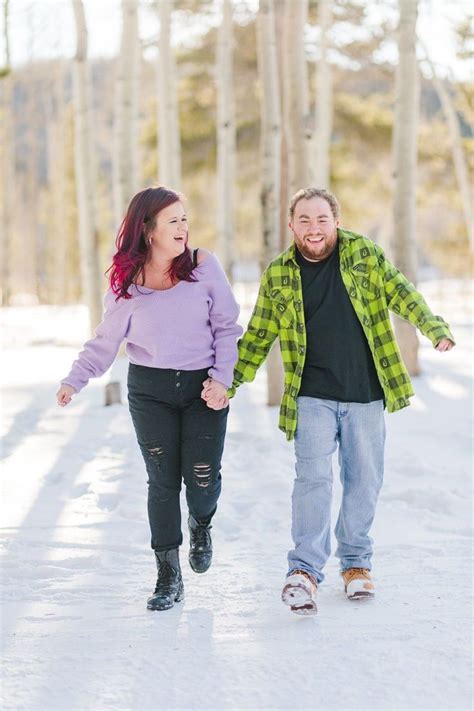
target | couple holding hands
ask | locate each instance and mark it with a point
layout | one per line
(327, 298)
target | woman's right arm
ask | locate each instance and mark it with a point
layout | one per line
(99, 353)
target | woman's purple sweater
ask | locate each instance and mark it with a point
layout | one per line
(188, 327)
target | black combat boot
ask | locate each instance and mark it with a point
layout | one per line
(200, 545)
(169, 585)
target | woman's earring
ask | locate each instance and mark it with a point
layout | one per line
(149, 241)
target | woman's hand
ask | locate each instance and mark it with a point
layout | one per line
(64, 395)
(215, 394)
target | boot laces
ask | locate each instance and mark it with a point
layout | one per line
(166, 573)
(356, 573)
(201, 537)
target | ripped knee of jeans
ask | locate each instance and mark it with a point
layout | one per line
(155, 453)
(202, 474)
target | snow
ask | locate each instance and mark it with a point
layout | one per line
(77, 566)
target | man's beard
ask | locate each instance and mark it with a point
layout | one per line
(317, 253)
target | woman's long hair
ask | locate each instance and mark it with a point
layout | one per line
(133, 249)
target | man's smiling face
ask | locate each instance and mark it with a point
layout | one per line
(314, 228)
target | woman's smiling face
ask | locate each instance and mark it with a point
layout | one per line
(170, 235)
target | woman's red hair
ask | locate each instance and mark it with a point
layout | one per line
(133, 250)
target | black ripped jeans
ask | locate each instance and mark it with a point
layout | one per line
(181, 439)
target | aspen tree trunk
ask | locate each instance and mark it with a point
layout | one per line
(126, 151)
(6, 163)
(169, 147)
(126, 143)
(57, 184)
(284, 167)
(270, 132)
(405, 159)
(459, 158)
(85, 175)
(270, 139)
(225, 141)
(275, 373)
(323, 106)
(47, 240)
(296, 95)
(33, 240)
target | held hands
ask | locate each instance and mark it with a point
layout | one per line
(64, 395)
(444, 345)
(215, 394)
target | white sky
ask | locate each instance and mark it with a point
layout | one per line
(45, 28)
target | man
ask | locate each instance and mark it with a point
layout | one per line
(327, 298)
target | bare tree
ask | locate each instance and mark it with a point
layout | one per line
(279, 6)
(6, 160)
(29, 240)
(323, 104)
(296, 95)
(6, 38)
(270, 147)
(126, 144)
(57, 180)
(169, 147)
(405, 159)
(459, 158)
(225, 140)
(270, 131)
(126, 156)
(85, 174)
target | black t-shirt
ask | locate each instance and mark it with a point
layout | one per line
(339, 365)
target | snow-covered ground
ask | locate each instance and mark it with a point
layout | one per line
(77, 567)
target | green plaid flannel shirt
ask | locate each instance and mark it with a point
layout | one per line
(374, 285)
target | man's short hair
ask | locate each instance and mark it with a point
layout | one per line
(308, 193)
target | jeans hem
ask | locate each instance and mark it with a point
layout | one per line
(365, 565)
(169, 547)
(319, 576)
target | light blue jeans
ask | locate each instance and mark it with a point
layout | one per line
(359, 429)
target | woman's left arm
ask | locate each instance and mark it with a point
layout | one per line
(223, 315)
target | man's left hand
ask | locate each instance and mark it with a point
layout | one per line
(444, 345)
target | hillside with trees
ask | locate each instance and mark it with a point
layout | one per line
(40, 196)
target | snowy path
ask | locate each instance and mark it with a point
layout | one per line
(77, 568)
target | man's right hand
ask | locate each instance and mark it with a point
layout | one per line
(444, 345)
(64, 395)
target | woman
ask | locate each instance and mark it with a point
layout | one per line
(176, 310)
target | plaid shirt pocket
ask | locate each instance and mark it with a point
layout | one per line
(283, 307)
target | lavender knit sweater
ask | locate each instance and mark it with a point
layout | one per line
(188, 327)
